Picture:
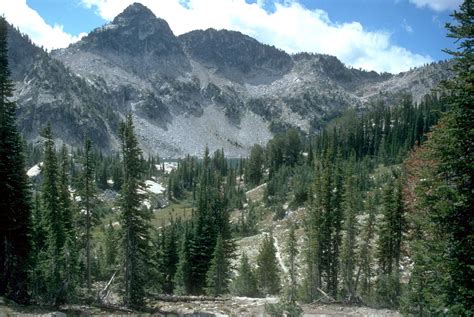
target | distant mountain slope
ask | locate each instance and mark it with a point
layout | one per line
(214, 87)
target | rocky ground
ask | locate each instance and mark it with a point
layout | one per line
(232, 306)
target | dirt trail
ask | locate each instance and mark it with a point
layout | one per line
(279, 257)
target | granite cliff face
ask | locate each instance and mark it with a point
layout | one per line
(219, 88)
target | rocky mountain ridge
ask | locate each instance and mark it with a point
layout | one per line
(206, 87)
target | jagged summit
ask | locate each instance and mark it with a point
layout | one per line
(231, 51)
(138, 41)
(133, 12)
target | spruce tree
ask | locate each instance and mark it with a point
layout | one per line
(267, 271)
(350, 232)
(254, 166)
(219, 271)
(88, 200)
(182, 279)
(57, 259)
(245, 284)
(292, 269)
(135, 221)
(111, 250)
(15, 206)
(443, 245)
(70, 249)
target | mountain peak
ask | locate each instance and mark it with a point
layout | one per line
(134, 12)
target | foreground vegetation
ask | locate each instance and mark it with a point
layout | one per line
(388, 196)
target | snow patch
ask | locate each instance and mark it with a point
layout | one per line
(167, 167)
(154, 187)
(35, 170)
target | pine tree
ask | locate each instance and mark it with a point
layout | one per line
(135, 220)
(267, 270)
(219, 271)
(182, 279)
(292, 270)
(88, 200)
(245, 284)
(15, 206)
(388, 246)
(313, 249)
(170, 258)
(350, 233)
(254, 166)
(111, 250)
(53, 219)
(69, 250)
(366, 250)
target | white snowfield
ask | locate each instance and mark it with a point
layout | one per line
(35, 170)
(168, 166)
(154, 187)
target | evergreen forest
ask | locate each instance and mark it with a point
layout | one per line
(376, 208)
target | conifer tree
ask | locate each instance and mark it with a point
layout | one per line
(88, 200)
(254, 166)
(245, 284)
(69, 250)
(182, 279)
(111, 249)
(267, 270)
(135, 221)
(219, 271)
(388, 246)
(170, 258)
(54, 199)
(365, 270)
(292, 270)
(15, 206)
(350, 232)
(443, 243)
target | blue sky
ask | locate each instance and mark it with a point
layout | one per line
(381, 35)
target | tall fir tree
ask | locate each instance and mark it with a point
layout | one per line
(15, 209)
(88, 200)
(135, 220)
(219, 272)
(292, 248)
(245, 283)
(348, 259)
(267, 271)
(443, 243)
(69, 250)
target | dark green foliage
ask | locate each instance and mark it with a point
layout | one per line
(351, 209)
(88, 201)
(389, 245)
(443, 241)
(135, 221)
(15, 209)
(292, 269)
(218, 276)
(182, 279)
(111, 250)
(248, 222)
(245, 283)
(254, 166)
(268, 280)
(169, 256)
(55, 271)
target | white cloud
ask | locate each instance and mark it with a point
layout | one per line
(437, 5)
(290, 27)
(19, 14)
(407, 27)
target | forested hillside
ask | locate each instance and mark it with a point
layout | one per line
(374, 210)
